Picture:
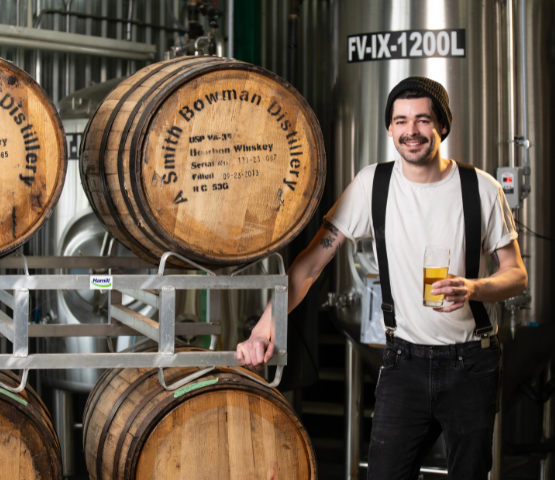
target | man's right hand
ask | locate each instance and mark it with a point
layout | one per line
(255, 352)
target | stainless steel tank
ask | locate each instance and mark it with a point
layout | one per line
(464, 45)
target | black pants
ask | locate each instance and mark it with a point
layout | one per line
(425, 390)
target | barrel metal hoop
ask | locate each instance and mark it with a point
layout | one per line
(33, 414)
(138, 409)
(160, 411)
(110, 418)
(104, 143)
(45, 412)
(30, 391)
(121, 150)
(144, 429)
(94, 397)
(142, 124)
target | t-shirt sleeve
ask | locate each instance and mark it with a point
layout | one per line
(351, 213)
(501, 228)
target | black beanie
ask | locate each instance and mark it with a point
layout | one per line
(429, 88)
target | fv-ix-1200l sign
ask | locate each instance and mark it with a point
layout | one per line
(367, 47)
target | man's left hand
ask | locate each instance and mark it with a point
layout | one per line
(456, 289)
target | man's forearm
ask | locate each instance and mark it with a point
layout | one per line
(301, 279)
(303, 273)
(505, 283)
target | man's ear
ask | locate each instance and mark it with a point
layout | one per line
(390, 131)
(443, 130)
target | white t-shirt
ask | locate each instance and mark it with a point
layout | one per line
(417, 215)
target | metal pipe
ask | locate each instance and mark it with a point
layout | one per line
(292, 43)
(148, 18)
(102, 18)
(119, 35)
(353, 402)
(104, 34)
(38, 59)
(56, 66)
(162, 38)
(18, 52)
(129, 16)
(68, 9)
(67, 89)
(64, 426)
(510, 82)
(230, 26)
(219, 45)
(526, 188)
(29, 13)
(32, 38)
(88, 32)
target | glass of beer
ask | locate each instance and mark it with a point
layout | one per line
(436, 266)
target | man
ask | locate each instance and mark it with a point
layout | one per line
(440, 368)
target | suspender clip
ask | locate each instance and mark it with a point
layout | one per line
(389, 334)
(484, 333)
(387, 307)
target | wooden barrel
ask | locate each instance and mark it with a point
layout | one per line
(29, 447)
(215, 159)
(222, 426)
(33, 155)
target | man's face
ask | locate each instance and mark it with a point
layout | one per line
(415, 130)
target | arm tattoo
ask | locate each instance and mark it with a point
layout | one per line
(327, 242)
(331, 228)
(495, 258)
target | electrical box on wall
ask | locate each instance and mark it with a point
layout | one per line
(511, 180)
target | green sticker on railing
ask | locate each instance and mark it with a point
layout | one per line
(15, 397)
(194, 386)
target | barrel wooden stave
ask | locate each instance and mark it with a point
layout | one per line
(231, 429)
(147, 222)
(29, 447)
(33, 153)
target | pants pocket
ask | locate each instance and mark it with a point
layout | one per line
(481, 363)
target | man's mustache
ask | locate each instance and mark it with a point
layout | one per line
(417, 138)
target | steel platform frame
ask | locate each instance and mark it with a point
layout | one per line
(157, 290)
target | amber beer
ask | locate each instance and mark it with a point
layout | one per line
(436, 268)
(432, 275)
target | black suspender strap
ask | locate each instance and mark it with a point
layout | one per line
(473, 240)
(380, 190)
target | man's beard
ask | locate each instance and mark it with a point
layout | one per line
(425, 156)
